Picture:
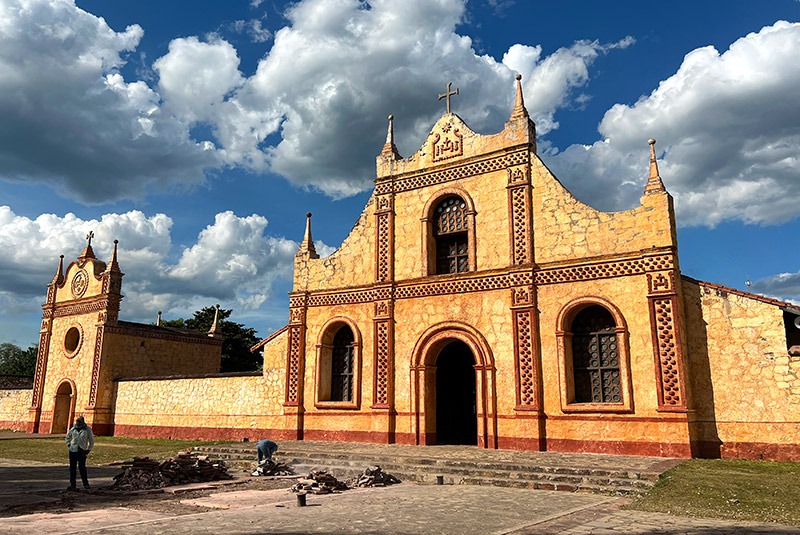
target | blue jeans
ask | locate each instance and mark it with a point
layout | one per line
(77, 459)
(265, 449)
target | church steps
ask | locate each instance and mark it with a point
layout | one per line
(548, 472)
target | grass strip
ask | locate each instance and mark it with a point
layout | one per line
(106, 449)
(758, 491)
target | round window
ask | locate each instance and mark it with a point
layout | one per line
(72, 341)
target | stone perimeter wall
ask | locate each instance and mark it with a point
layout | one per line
(14, 406)
(746, 387)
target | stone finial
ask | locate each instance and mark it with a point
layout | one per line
(59, 278)
(389, 148)
(158, 318)
(654, 183)
(307, 245)
(213, 332)
(519, 111)
(113, 265)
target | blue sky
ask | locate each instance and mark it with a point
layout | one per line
(200, 133)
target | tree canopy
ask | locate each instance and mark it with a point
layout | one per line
(17, 361)
(236, 343)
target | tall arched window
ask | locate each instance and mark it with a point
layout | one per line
(342, 357)
(450, 231)
(338, 369)
(595, 357)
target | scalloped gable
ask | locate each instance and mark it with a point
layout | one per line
(451, 140)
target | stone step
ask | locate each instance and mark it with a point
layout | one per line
(419, 466)
(234, 455)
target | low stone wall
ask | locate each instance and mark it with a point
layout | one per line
(14, 405)
(210, 408)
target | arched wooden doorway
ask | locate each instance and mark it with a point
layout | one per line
(452, 351)
(63, 407)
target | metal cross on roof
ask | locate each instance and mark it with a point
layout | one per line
(447, 94)
(89, 237)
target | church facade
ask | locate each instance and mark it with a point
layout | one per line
(476, 301)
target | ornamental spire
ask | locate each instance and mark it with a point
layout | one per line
(59, 278)
(389, 147)
(519, 110)
(307, 245)
(114, 265)
(213, 331)
(654, 183)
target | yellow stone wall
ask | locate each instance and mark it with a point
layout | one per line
(746, 385)
(141, 354)
(14, 405)
(348, 265)
(566, 229)
(179, 408)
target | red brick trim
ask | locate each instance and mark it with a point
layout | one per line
(727, 290)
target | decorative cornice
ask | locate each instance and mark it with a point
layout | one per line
(415, 180)
(604, 268)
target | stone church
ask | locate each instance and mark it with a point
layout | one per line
(475, 301)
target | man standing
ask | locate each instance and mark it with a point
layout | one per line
(80, 441)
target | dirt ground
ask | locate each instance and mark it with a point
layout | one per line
(162, 502)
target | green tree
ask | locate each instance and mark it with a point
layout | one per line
(236, 343)
(17, 361)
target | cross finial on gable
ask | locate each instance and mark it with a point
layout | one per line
(89, 237)
(447, 94)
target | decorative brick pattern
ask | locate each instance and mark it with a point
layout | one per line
(520, 236)
(666, 353)
(98, 353)
(527, 395)
(87, 307)
(603, 270)
(473, 284)
(382, 363)
(41, 366)
(416, 181)
(383, 270)
(342, 298)
(293, 372)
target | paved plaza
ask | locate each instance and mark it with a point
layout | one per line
(401, 509)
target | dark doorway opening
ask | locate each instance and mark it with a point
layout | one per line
(456, 414)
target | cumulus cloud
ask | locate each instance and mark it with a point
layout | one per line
(232, 262)
(783, 286)
(315, 105)
(61, 95)
(728, 128)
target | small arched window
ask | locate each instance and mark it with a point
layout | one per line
(342, 358)
(450, 232)
(595, 357)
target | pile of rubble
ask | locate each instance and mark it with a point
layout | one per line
(144, 473)
(372, 477)
(273, 469)
(318, 482)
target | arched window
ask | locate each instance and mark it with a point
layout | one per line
(338, 369)
(342, 356)
(594, 357)
(450, 232)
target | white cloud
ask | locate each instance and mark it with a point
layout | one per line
(728, 127)
(232, 262)
(783, 286)
(61, 96)
(314, 111)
